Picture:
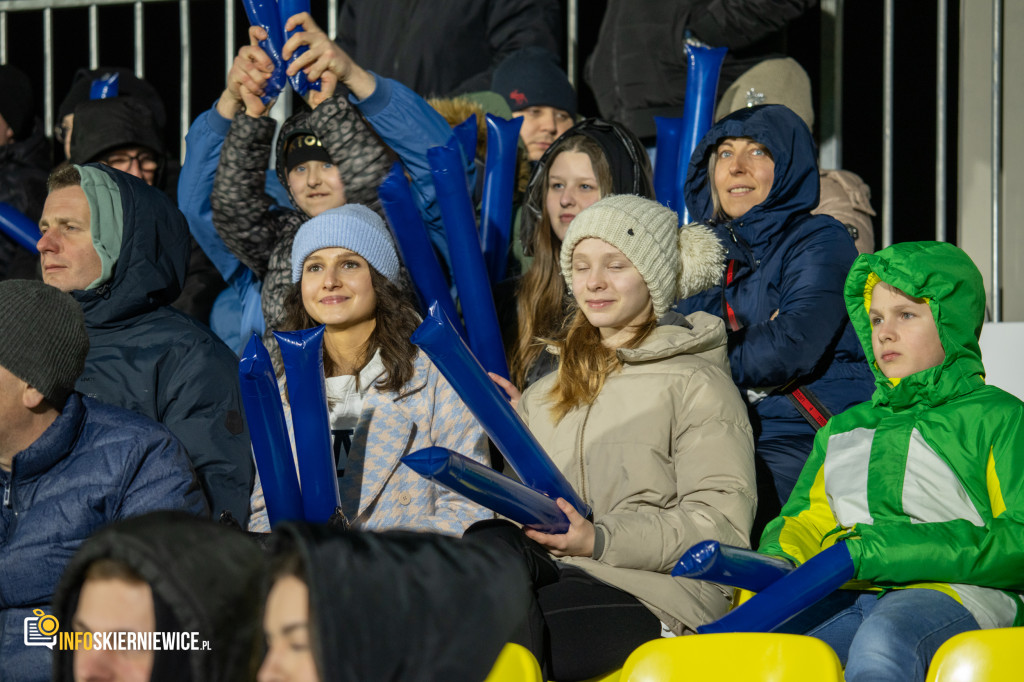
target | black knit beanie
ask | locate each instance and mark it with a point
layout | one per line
(531, 77)
(16, 100)
(42, 337)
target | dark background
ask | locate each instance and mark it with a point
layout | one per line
(914, 124)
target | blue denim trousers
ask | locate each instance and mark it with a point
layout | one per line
(887, 637)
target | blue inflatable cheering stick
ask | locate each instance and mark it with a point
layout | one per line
(499, 185)
(288, 9)
(269, 434)
(485, 486)
(465, 133)
(485, 400)
(414, 244)
(467, 257)
(703, 67)
(264, 13)
(106, 86)
(666, 160)
(803, 587)
(301, 352)
(726, 565)
(18, 227)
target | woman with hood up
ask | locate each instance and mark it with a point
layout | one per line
(593, 159)
(753, 179)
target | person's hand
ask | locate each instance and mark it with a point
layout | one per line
(323, 56)
(328, 84)
(514, 394)
(577, 541)
(250, 72)
(774, 315)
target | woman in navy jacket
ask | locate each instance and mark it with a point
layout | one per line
(754, 179)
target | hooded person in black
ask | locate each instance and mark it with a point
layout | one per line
(203, 578)
(144, 355)
(393, 606)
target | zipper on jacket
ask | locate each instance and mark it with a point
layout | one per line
(7, 494)
(579, 450)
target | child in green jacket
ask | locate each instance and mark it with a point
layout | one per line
(924, 482)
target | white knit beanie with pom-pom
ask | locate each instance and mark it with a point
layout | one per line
(674, 262)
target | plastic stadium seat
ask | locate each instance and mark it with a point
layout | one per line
(515, 663)
(989, 655)
(765, 657)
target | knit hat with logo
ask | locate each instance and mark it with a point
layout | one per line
(674, 262)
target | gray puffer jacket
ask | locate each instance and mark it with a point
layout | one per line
(244, 215)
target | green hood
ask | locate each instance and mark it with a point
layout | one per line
(949, 279)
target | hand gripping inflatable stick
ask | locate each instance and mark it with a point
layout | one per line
(269, 433)
(414, 245)
(703, 67)
(485, 486)
(304, 369)
(803, 587)
(18, 227)
(467, 257)
(288, 9)
(499, 184)
(264, 13)
(726, 565)
(484, 399)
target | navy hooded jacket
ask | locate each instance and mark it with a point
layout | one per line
(783, 259)
(148, 357)
(95, 464)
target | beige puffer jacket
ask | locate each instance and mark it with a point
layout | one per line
(665, 457)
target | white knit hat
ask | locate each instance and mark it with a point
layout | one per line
(674, 262)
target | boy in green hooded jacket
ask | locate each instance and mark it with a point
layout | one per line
(924, 482)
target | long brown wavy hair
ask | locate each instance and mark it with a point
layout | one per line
(396, 318)
(541, 299)
(586, 362)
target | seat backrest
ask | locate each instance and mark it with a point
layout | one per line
(515, 663)
(768, 657)
(979, 655)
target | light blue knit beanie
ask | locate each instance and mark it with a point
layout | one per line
(353, 227)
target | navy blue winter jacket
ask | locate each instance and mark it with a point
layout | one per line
(148, 357)
(785, 260)
(95, 464)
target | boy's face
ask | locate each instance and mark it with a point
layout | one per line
(903, 334)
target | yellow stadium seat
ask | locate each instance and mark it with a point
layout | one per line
(515, 663)
(765, 657)
(989, 655)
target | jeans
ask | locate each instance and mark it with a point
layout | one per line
(887, 637)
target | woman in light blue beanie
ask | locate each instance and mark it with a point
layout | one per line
(386, 398)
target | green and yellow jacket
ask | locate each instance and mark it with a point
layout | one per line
(924, 482)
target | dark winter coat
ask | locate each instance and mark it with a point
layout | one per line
(243, 213)
(24, 166)
(638, 67)
(401, 605)
(205, 579)
(95, 464)
(444, 48)
(782, 259)
(150, 358)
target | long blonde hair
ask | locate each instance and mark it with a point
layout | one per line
(541, 298)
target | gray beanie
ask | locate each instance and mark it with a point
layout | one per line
(674, 262)
(773, 81)
(353, 227)
(42, 337)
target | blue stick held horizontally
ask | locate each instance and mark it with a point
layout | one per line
(18, 227)
(666, 160)
(703, 67)
(803, 587)
(269, 434)
(264, 13)
(301, 353)
(471, 279)
(485, 486)
(734, 566)
(449, 353)
(499, 185)
(288, 9)
(414, 244)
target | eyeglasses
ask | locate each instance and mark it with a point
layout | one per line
(123, 162)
